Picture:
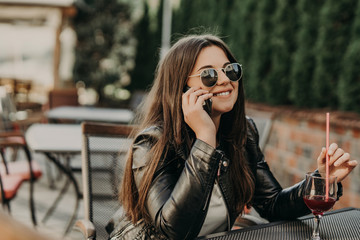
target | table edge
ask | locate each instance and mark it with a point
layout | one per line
(271, 224)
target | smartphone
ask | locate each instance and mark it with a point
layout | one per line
(207, 103)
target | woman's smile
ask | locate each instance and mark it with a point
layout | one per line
(222, 93)
(225, 92)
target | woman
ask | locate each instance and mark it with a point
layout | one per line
(191, 173)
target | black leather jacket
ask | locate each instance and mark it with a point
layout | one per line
(179, 195)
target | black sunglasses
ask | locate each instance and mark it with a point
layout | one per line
(209, 76)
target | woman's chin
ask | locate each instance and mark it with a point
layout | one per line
(223, 109)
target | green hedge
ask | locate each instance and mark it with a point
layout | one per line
(303, 53)
(303, 62)
(349, 87)
(336, 18)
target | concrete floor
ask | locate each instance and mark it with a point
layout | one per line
(44, 196)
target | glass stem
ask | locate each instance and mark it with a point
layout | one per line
(315, 235)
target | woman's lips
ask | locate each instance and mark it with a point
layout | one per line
(225, 93)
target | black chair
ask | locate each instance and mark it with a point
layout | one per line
(250, 216)
(103, 160)
(14, 166)
(263, 125)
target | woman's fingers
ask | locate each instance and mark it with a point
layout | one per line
(339, 162)
(321, 158)
(352, 163)
(337, 154)
(342, 159)
(195, 95)
(332, 148)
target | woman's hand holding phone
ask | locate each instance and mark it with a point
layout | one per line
(195, 115)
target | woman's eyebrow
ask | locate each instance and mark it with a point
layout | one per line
(210, 66)
(206, 66)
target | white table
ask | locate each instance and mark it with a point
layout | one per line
(80, 113)
(66, 140)
(54, 138)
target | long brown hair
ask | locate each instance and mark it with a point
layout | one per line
(163, 107)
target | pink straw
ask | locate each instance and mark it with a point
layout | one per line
(327, 155)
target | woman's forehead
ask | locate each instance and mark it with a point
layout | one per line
(211, 56)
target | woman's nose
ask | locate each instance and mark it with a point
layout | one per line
(222, 78)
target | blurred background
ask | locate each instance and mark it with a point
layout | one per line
(300, 53)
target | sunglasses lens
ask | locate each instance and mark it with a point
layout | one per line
(233, 71)
(209, 77)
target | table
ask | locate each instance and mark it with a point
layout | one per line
(338, 224)
(81, 113)
(53, 140)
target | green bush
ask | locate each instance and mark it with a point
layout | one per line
(105, 49)
(303, 65)
(260, 63)
(335, 22)
(241, 33)
(147, 55)
(349, 83)
(282, 43)
(301, 52)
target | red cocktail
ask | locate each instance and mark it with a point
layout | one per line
(319, 204)
(319, 196)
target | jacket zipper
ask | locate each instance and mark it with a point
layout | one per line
(218, 175)
(226, 204)
(222, 193)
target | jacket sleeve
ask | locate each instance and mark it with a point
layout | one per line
(270, 199)
(178, 199)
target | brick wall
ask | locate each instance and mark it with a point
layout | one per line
(295, 141)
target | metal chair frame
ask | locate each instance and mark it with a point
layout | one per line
(91, 130)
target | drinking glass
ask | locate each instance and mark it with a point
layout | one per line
(319, 198)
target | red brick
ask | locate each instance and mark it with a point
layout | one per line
(346, 145)
(354, 200)
(298, 150)
(314, 125)
(291, 121)
(293, 135)
(339, 129)
(313, 138)
(297, 178)
(270, 154)
(292, 162)
(342, 203)
(356, 133)
(349, 199)
(346, 182)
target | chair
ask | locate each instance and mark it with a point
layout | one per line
(263, 125)
(11, 141)
(19, 170)
(103, 160)
(63, 97)
(9, 185)
(58, 97)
